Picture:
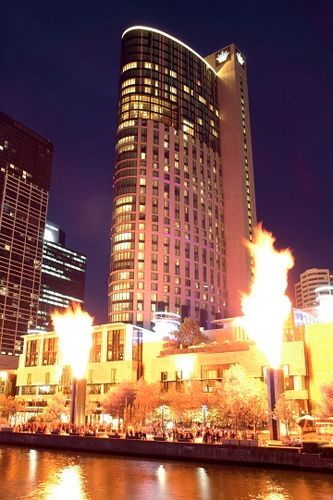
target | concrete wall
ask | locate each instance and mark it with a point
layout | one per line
(274, 457)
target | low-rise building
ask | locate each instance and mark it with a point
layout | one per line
(123, 352)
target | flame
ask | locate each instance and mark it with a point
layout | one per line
(74, 329)
(266, 307)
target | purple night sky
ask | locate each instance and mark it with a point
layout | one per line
(59, 76)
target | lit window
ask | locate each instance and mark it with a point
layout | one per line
(130, 65)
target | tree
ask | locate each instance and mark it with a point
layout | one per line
(286, 410)
(327, 400)
(147, 398)
(119, 401)
(55, 409)
(240, 400)
(184, 403)
(257, 404)
(91, 408)
(188, 334)
(9, 406)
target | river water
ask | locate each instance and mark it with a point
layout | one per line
(52, 475)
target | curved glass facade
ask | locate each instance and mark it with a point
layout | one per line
(167, 235)
(167, 239)
(163, 80)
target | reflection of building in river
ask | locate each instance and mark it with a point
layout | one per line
(123, 352)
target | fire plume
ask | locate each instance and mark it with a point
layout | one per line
(74, 329)
(266, 307)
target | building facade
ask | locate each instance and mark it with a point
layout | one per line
(183, 184)
(63, 276)
(25, 172)
(116, 356)
(125, 353)
(309, 281)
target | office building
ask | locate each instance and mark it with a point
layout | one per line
(309, 281)
(25, 172)
(183, 185)
(63, 276)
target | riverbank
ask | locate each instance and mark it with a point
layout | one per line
(279, 457)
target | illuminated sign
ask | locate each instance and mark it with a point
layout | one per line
(240, 58)
(222, 56)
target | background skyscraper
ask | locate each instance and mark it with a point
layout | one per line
(309, 280)
(63, 276)
(25, 173)
(172, 247)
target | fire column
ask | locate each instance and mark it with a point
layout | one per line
(74, 329)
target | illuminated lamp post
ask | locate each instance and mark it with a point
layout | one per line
(162, 408)
(74, 329)
(265, 310)
(204, 414)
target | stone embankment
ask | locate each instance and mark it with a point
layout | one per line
(280, 457)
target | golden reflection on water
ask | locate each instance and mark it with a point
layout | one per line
(62, 484)
(46, 475)
(271, 490)
(32, 464)
(161, 476)
(203, 483)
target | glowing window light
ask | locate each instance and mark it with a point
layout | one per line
(154, 30)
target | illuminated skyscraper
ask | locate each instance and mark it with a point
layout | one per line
(183, 185)
(63, 276)
(25, 172)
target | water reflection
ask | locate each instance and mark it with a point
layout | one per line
(203, 483)
(32, 455)
(161, 476)
(65, 483)
(48, 475)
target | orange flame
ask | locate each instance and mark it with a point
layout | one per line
(266, 307)
(74, 329)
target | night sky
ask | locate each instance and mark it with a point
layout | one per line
(59, 76)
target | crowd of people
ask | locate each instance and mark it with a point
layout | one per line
(62, 429)
(205, 434)
(200, 433)
(180, 433)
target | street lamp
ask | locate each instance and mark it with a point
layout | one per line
(162, 408)
(204, 414)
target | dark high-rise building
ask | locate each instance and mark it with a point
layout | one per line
(183, 186)
(25, 172)
(63, 276)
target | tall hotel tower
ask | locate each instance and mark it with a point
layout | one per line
(183, 185)
(25, 172)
